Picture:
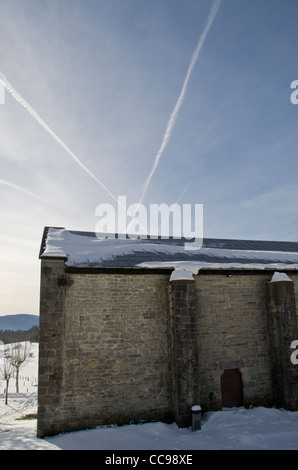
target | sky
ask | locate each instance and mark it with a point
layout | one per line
(91, 112)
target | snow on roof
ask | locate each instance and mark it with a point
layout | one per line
(88, 249)
(278, 277)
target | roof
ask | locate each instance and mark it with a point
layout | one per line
(88, 249)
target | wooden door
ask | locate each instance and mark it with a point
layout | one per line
(231, 388)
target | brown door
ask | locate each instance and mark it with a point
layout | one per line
(231, 388)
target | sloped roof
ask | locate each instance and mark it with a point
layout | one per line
(88, 249)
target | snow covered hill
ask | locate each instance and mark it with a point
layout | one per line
(234, 428)
(18, 322)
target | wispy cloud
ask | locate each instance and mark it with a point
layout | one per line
(181, 97)
(18, 188)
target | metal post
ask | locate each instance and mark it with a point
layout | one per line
(196, 413)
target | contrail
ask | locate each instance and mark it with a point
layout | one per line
(180, 196)
(180, 100)
(47, 128)
(19, 188)
(40, 121)
(184, 189)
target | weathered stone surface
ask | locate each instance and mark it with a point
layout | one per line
(104, 351)
(233, 333)
(283, 328)
(184, 350)
(116, 348)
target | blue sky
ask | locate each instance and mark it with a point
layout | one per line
(105, 76)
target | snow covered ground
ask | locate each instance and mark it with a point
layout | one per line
(234, 429)
(258, 428)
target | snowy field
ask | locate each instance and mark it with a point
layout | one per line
(231, 429)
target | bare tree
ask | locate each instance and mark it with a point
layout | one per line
(1, 352)
(19, 354)
(6, 370)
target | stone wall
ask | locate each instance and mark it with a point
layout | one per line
(110, 350)
(120, 347)
(51, 347)
(283, 329)
(233, 334)
(184, 354)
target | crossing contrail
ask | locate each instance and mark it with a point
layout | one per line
(18, 188)
(180, 100)
(166, 136)
(47, 128)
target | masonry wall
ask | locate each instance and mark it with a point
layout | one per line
(233, 334)
(116, 354)
(112, 351)
(121, 347)
(51, 348)
(283, 328)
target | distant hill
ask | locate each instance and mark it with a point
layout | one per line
(18, 322)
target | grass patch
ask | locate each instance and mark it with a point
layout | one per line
(29, 416)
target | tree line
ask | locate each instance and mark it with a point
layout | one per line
(17, 336)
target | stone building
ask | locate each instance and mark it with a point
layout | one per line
(140, 329)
